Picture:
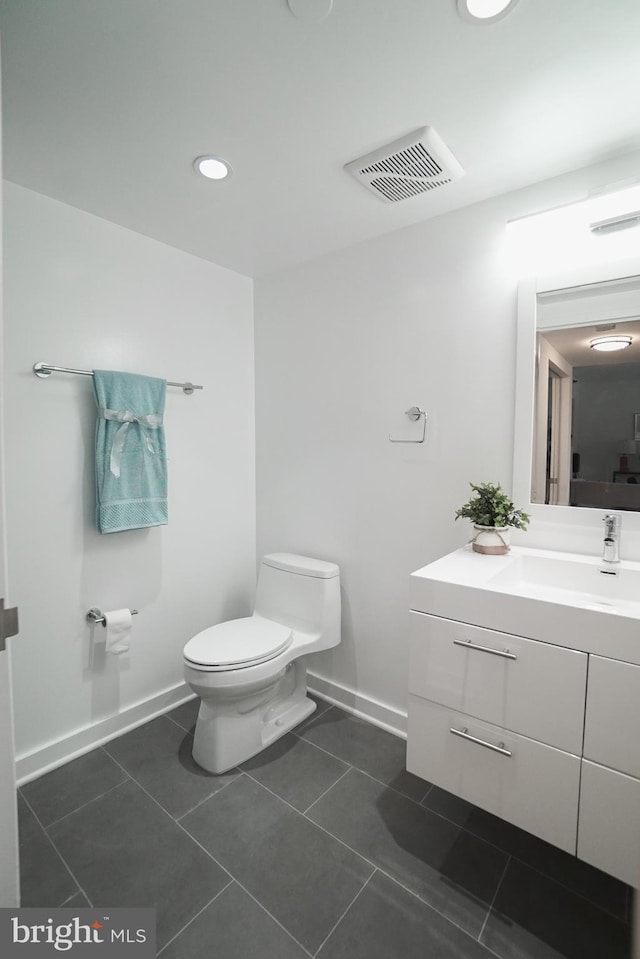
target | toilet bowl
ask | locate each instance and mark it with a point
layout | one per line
(250, 673)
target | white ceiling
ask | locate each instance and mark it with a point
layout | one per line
(107, 102)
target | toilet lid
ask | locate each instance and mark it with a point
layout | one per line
(238, 643)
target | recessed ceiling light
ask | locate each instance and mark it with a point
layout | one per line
(609, 343)
(310, 9)
(485, 11)
(214, 168)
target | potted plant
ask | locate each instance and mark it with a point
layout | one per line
(493, 515)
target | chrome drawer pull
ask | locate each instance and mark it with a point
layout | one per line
(465, 734)
(484, 649)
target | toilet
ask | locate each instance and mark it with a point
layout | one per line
(250, 673)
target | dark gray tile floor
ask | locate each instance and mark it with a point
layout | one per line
(323, 845)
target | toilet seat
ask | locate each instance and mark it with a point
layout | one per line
(237, 644)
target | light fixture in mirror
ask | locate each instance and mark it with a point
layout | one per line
(610, 344)
(578, 409)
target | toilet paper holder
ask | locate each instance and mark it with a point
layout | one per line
(95, 615)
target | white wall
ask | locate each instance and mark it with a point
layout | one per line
(344, 345)
(82, 292)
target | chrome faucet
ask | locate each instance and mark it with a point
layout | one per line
(611, 546)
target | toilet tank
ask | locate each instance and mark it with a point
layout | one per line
(302, 593)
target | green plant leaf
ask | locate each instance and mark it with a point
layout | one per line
(490, 506)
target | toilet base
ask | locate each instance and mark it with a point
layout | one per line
(232, 730)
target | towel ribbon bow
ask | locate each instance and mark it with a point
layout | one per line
(153, 421)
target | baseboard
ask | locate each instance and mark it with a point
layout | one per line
(380, 714)
(42, 760)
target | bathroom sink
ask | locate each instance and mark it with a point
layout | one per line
(583, 581)
(563, 598)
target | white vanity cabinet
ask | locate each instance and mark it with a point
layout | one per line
(525, 710)
(609, 820)
(498, 720)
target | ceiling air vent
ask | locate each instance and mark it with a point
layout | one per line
(411, 165)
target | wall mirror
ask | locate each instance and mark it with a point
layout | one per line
(577, 429)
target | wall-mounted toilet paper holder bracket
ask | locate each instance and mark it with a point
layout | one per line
(95, 615)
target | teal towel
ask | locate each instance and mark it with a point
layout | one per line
(131, 465)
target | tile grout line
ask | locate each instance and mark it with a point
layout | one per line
(213, 858)
(433, 908)
(176, 723)
(63, 905)
(85, 804)
(335, 926)
(257, 901)
(58, 853)
(430, 905)
(426, 794)
(328, 789)
(398, 792)
(271, 916)
(495, 896)
(202, 801)
(365, 773)
(272, 793)
(312, 718)
(193, 918)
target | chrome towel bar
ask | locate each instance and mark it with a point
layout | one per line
(46, 369)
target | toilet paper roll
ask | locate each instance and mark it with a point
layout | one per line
(118, 624)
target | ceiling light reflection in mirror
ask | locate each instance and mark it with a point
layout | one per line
(611, 344)
(564, 238)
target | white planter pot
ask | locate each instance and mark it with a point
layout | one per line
(493, 540)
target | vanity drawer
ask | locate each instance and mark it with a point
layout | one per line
(613, 715)
(536, 787)
(609, 822)
(532, 688)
